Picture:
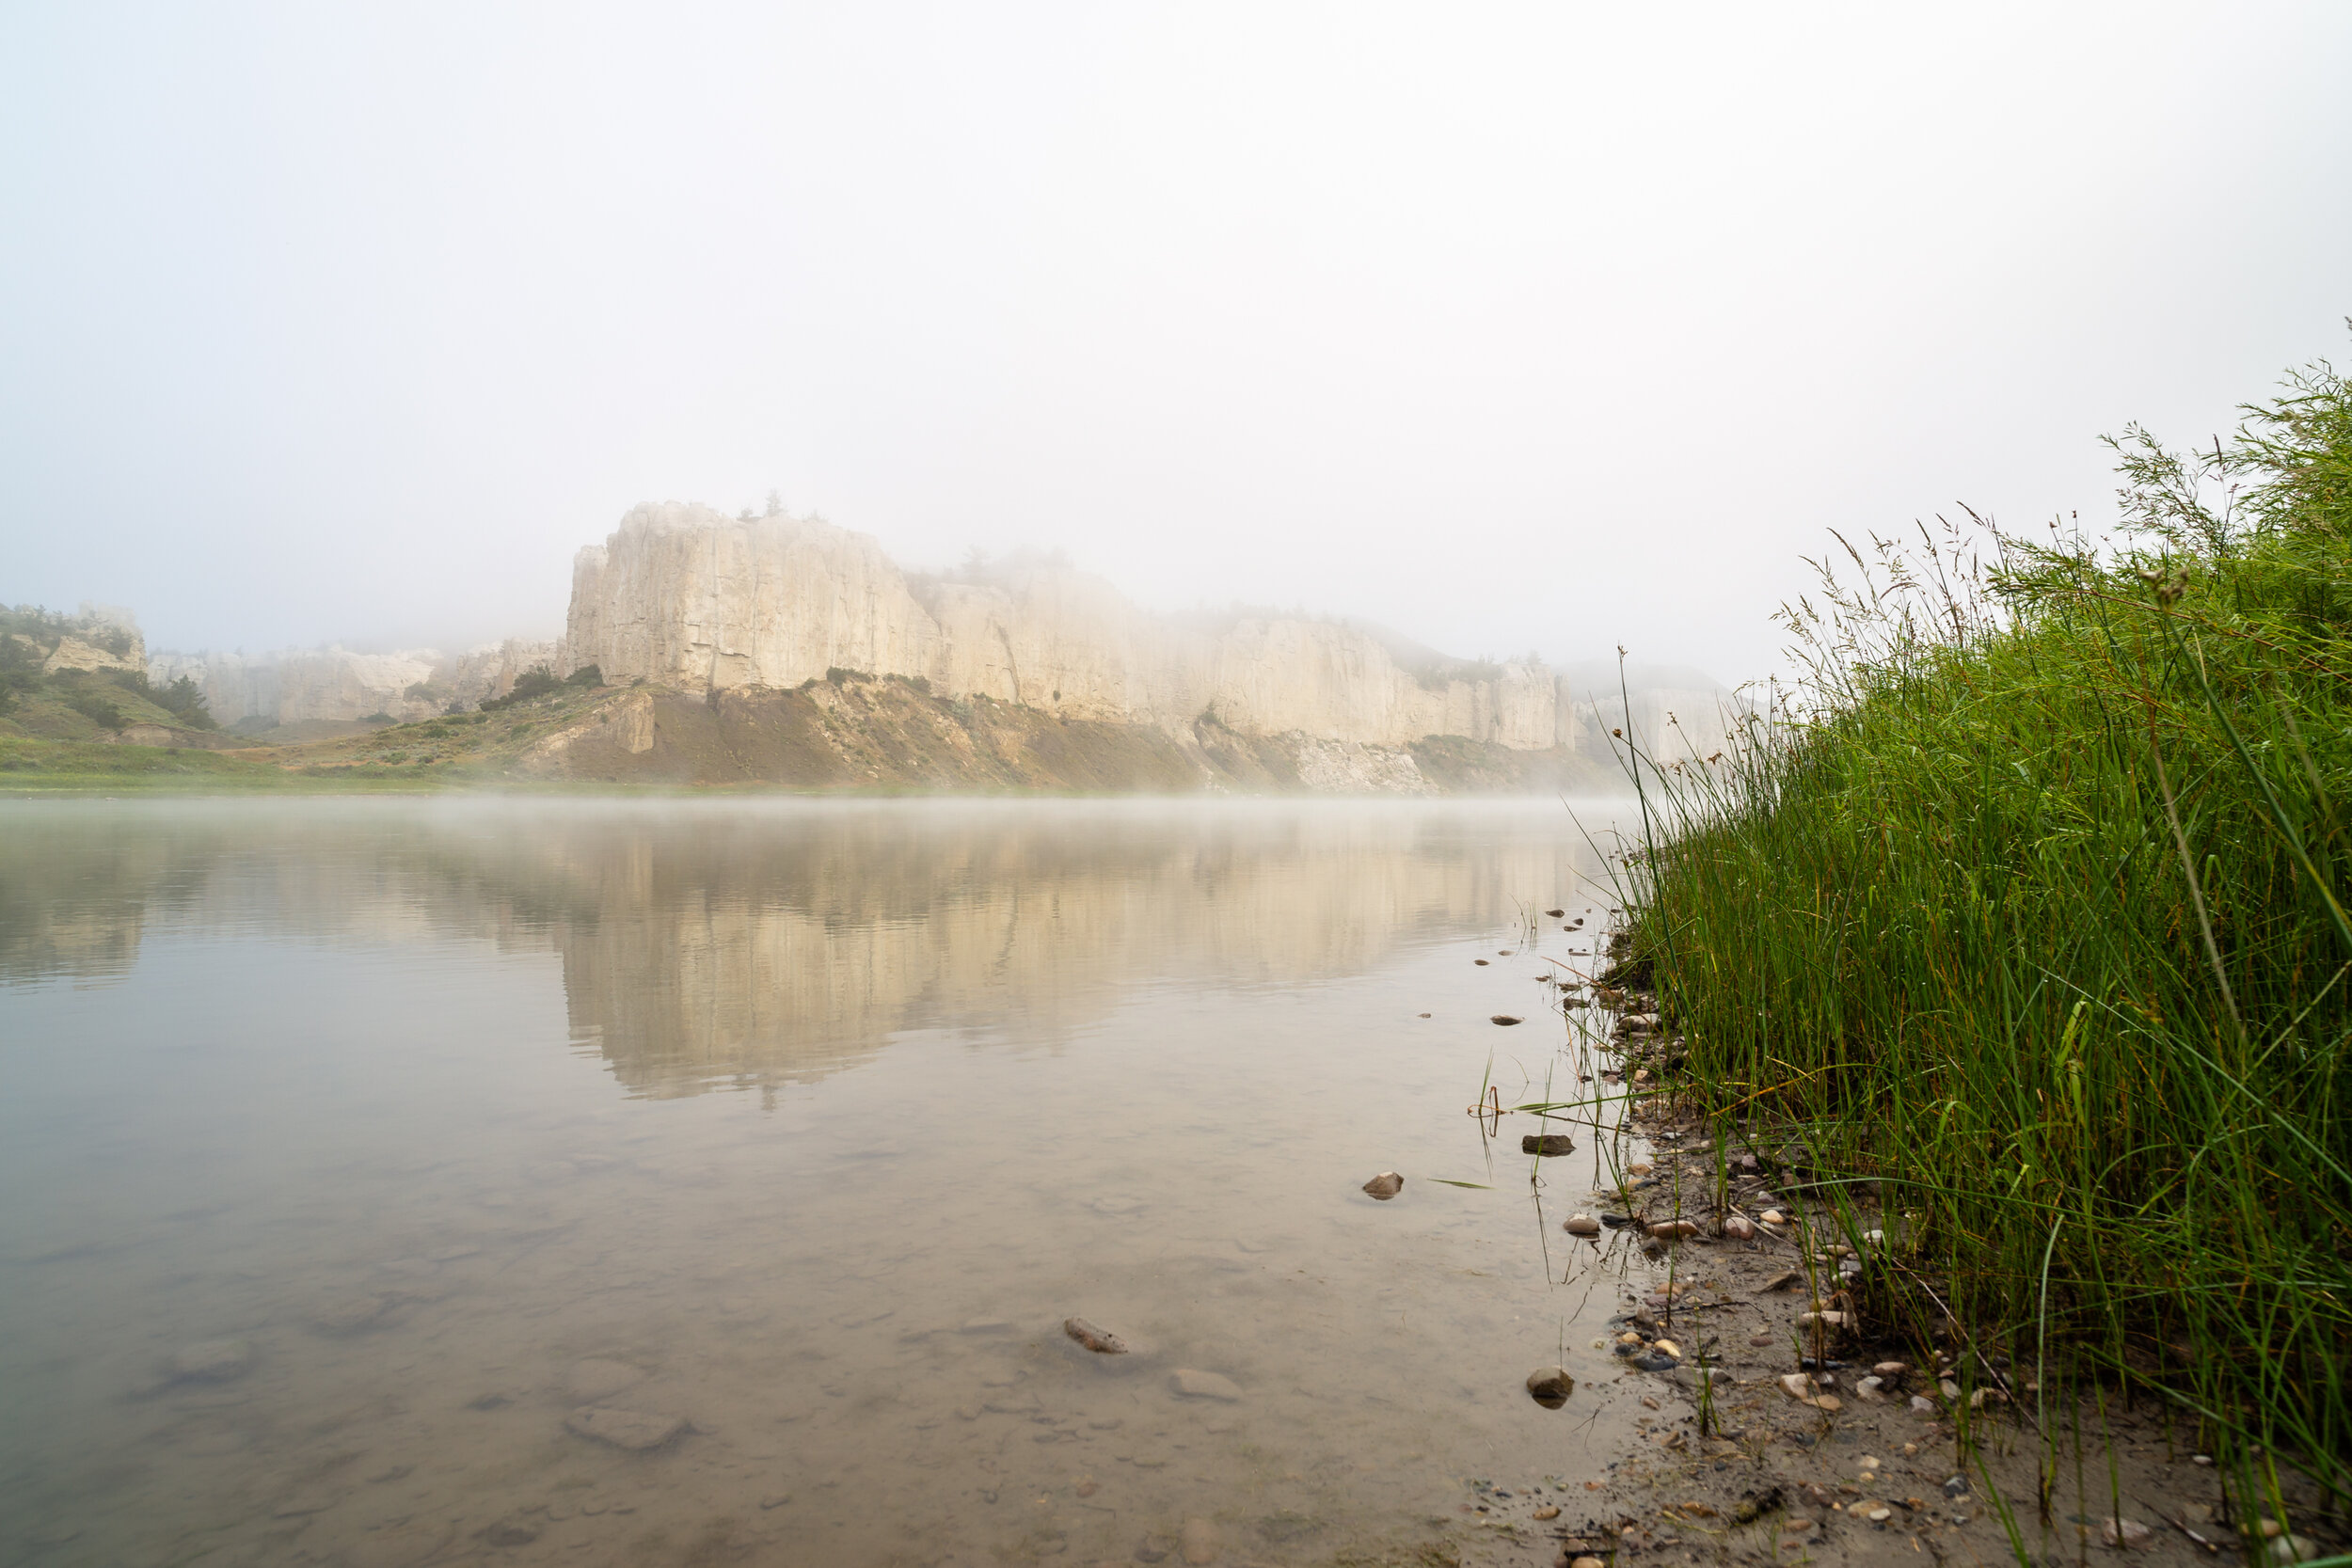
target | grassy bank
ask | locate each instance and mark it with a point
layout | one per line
(2031, 921)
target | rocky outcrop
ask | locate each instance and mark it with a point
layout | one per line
(100, 637)
(683, 596)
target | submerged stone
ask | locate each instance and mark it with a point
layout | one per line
(1101, 1341)
(1192, 1384)
(633, 1430)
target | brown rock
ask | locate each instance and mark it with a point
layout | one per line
(1386, 1186)
(1550, 1386)
(1547, 1144)
(1101, 1341)
(1580, 1225)
(1505, 1019)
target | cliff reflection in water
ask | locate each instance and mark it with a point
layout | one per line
(719, 944)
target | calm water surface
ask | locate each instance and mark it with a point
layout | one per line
(412, 1127)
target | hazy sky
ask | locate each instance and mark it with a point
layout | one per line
(1545, 327)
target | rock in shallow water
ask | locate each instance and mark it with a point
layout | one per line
(214, 1361)
(1101, 1341)
(1386, 1186)
(634, 1430)
(1580, 1225)
(595, 1378)
(1188, 1383)
(1550, 1386)
(1547, 1144)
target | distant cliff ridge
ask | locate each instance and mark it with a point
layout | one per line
(303, 685)
(681, 596)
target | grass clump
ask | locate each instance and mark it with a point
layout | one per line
(2031, 912)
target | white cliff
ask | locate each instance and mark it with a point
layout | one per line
(682, 596)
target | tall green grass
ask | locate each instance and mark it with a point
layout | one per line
(2030, 912)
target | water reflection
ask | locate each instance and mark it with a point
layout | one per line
(722, 944)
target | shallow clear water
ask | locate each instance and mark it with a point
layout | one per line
(805, 1122)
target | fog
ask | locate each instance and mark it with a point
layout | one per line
(1542, 328)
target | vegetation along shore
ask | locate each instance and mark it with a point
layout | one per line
(2020, 938)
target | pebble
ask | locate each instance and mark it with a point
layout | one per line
(1868, 1389)
(1740, 1227)
(214, 1361)
(1505, 1019)
(1187, 1382)
(1761, 1338)
(1890, 1371)
(1550, 1511)
(1101, 1341)
(1580, 1225)
(1153, 1548)
(1550, 1386)
(2125, 1533)
(352, 1316)
(1548, 1144)
(595, 1378)
(1674, 1231)
(2293, 1548)
(1780, 1281)
(634, 1430)
(305, 1504)
(1773, 1216)
(1587, 1561)
(1200, 1542)
(1800, 1387)
(1386, 1186)
(1924, 1405)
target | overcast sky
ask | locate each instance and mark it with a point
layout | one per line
(1551, 328)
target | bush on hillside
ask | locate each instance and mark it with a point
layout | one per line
(537, 681)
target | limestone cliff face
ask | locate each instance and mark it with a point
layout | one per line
(681, 596)
(686, 596)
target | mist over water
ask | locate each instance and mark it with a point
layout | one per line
(805, 1124)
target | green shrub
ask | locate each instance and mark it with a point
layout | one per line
(96, 709)
(587, 674)
(537, 681)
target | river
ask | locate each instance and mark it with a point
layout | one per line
(355, 1149)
